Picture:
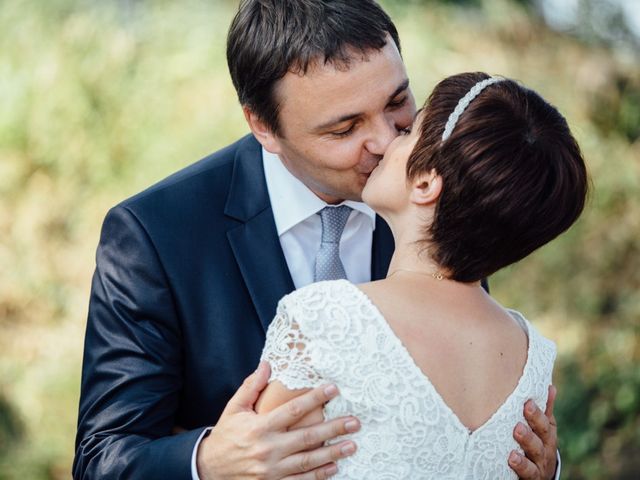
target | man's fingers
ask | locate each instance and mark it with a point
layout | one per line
(551, 400)
(246, 396)
(292, 411)
(540, 440)
(309, 461)
(322, 473)
(530, 443)
(315, 435)
(524, 467)
(541, 424)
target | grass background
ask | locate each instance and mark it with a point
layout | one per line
(101, 99)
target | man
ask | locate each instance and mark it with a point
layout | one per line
(189, 272)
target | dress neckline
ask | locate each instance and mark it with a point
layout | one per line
(517, 316)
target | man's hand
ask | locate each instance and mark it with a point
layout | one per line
(539, 441)
(247, 445)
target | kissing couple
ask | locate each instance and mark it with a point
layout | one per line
(343, 248)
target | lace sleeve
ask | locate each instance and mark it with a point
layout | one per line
(287, 351)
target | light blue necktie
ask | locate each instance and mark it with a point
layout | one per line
(328, 265)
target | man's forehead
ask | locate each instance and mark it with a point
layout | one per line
(341, 62)
(321, 72)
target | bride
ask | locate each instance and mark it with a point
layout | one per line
(435, 369)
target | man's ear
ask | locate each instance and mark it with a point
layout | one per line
(426, 188)
(261, 131)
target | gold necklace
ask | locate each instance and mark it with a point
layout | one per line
(437, 275)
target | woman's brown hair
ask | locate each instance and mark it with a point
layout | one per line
(513, 175)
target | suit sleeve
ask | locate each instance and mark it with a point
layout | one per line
(131, 374)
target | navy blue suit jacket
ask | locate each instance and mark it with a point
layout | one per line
(188, 276)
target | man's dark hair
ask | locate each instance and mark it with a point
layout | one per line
(513, 175)
(269, 38)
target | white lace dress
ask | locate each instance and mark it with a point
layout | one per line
(331, 332)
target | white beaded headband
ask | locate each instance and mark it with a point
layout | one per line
(464, 103)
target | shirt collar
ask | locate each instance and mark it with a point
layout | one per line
(283, 186)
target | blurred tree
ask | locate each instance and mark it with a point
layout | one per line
(11, 429)
(617, 110)
(611, 22)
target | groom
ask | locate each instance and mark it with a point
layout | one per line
(189, 271)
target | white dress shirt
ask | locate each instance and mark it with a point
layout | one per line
(300, 229)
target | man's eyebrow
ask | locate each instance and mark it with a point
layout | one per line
(345, 118)
(403, 86)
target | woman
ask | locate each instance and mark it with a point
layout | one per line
(435, 369)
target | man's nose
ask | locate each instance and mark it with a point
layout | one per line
(383, 133)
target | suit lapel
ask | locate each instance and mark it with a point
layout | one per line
(382, 250)
(255, 242)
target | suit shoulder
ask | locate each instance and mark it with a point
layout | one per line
(206, 180)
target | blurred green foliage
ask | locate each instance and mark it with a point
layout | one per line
(100, 99)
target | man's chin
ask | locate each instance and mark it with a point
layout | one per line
(353, 196)
(351, 191)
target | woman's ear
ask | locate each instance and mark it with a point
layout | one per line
(426, 188)
(261, 131)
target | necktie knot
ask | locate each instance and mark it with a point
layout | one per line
(328, 264)
(334, 220)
